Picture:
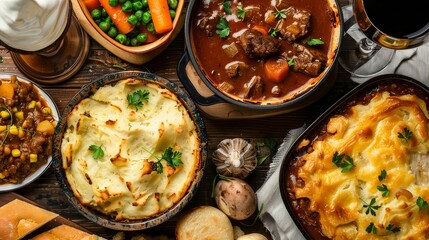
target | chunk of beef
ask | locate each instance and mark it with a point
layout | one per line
(295, 24)
(306, 60)
(234, 69)
(253, 87)
(257, 45)
(208, 25)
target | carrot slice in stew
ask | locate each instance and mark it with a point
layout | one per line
(91, 4)
(119, 18)
(160, 15)
(260, 29)
(276, 70)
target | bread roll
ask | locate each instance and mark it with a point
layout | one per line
(204, 223)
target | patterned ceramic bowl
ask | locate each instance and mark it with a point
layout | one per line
(61, 163)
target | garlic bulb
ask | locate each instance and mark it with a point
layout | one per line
(235, 157)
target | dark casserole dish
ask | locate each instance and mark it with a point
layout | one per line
(360, 171)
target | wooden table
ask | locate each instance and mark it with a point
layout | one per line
(46, 191)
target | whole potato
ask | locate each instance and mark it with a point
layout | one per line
(235, 198)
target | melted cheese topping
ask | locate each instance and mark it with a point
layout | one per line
(369, 135)
(124, 183)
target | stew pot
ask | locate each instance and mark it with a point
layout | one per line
(294, 96)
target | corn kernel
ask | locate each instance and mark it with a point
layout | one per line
(33, 157)
(46, 110)
(2, 128)
(4, 114)
(38, 104)
(2, 176)
(21, 133)
(32, 104)
(16, 153)
(19, 115)
(14, 109)
(13, 130)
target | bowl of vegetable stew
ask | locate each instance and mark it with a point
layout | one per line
(135, 27)
(28, 116)
(265, 54)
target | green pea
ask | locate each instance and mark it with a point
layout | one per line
(134, 42)
(127, 6)
(104, 26)
(145, 4)
(121, 38)
(113, 2)
(139, 14)
(108, 19)
(151, 28)
(146, 17)
(172, 13)
(137, 6)
(172, 4)
(133, 19)
(98, 21)
(96, 14)
(113, 32)
(142, 37)
(122, 1)
(127, 42)
(104, 13)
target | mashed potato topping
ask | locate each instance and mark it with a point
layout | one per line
(127, 181)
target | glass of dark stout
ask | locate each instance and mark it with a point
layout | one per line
(61, 58)
(388, 25)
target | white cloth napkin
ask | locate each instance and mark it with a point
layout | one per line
(274, 214)
(413, 62)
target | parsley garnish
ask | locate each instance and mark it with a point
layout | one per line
(280, 14)
(345, 164)
(371, 228)
(370, 208)
(97, 151)
(406, 136)
(136, 98)
(271, 144)
(172, 158)
(223, 28)
(421, 203)
(273, 32)
(291, 62)
(382, 175)
(241, 13)
(315, 41)
(392, 228)
(227, 6)
(385, 191)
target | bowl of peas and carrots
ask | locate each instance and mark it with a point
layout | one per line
(133, 26)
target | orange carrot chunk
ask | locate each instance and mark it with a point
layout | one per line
(276, 70)
(160, 15)
(119, 18)
(91, 4)
(261, 29)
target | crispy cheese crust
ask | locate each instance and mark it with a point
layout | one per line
(123, 183)
(370, 135)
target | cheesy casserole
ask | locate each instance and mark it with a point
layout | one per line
(366, 176)
(126, 182)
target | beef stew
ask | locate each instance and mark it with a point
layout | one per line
(264, 52)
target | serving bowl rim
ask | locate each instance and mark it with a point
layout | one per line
(56, 114)
(145, 48)
(370, 84)
(302, 97)
(100, 218)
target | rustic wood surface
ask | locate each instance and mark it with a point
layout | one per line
(47, 193)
